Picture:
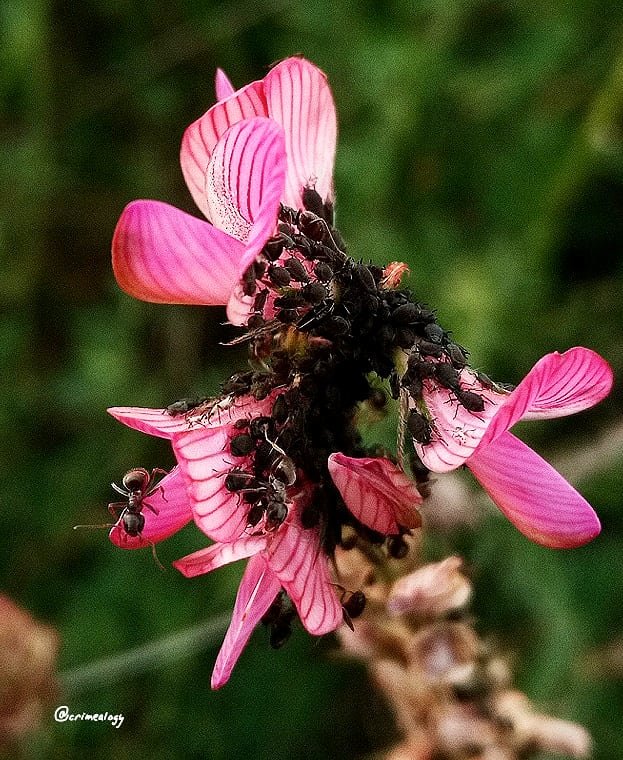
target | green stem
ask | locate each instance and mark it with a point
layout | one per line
(145, 657)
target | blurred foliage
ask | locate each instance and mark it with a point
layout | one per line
(481, 141)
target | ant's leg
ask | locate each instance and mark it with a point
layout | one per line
(116, 508)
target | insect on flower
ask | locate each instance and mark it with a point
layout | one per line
(136, 486)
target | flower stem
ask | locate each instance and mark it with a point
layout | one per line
(145, 657)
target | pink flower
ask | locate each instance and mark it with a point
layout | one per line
(534, 497)
(202, 446)
(292, 559)
(255, 148)
(375, 490)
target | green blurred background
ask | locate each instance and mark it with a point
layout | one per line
(482, 142)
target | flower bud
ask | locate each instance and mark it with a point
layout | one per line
(432, 590)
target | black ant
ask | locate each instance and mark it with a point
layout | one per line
(136, 485)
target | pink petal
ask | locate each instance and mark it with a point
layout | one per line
(224, 411)
(456, 431)
(244, 183)
(296, 558)
(204, 459)
(240, 307)
(557, 385)
(534, 497)
(377, 492)
(299, 98)
(172, 512)
(571, 382)
(222, 85)
(151, 421)
(202, 135)
(217, 555)
(163, 255)
(258, 588)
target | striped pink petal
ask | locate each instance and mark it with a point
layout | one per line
(171, 513)
(299, 98)
(568, 383)
(557, 385)
(222, 85)
(221, 412)
(151, 421)
(245, 181)
(296, 558)
(204, 460)
(202, 135)
(163, 255)
(456, 432)
(258, 588)
(534, 497)
(217, 555)
(233, 177)
(377, 492)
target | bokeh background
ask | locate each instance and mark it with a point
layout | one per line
(482, 142)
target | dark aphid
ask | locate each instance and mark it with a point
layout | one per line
(241, 445)
(447, 376)
(471, 401)
(240, 382)
(313, 226)
(335, 326)
(237, 480)
(255, 514)
(260, 300)
(329, 216)
(405, 337)
(279, 634)
(278, 276)
(276, 513)
(406, 314)
(434, 332)
(427, 348)
(261, 427)
(276, 245)
(296, 269)
(185, 405)
(457, 354)
(323, 271)
(355, 604)
(364, 276)
(293, 300)
(397, 547)
(419, 427)
(248, 281)
(419, 470)
(284, 470)
(415, 388)
(313, 202)
(314, 292)
(288, 316)
(256, 321)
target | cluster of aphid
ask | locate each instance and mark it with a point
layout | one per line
(322, 326)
